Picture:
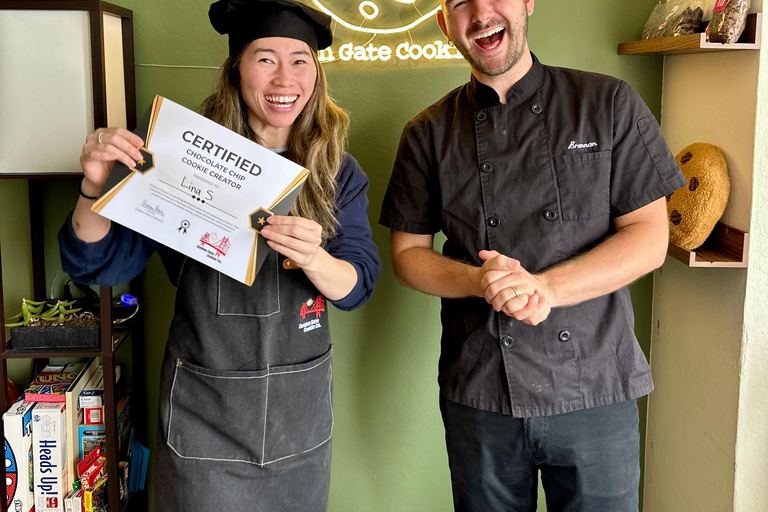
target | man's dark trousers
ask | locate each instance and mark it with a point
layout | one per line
(589, 460)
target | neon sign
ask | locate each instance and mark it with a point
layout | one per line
(370, 11)
(399, 24)
(403, 51)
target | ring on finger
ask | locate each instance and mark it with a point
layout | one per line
(517, 291)
(99, 138)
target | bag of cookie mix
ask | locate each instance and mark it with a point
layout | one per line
(729, 17)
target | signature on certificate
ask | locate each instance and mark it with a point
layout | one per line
(153, 209)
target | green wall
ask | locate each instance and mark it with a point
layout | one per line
(389, 453)
(16, 258)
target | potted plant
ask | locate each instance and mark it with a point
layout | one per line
(53, 325)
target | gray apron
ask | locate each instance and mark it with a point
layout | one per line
(245, 395)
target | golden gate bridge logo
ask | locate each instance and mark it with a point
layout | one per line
(220, 246)
(316, 306)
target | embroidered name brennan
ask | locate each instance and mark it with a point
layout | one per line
(574, 145)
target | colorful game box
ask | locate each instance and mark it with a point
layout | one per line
(51, 385)
(74, 502)
(93, 394)
(91, 436)
(49, 451)
(18, 457)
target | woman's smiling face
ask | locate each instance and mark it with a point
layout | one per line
(277, 77)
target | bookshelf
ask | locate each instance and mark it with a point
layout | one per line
(111, 340)
(102, 35)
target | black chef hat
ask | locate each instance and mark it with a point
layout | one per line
(248, 20)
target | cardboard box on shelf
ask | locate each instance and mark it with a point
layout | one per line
(18, 456)
(91, 436)
(49, 453)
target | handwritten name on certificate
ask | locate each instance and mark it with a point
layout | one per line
(202, 190)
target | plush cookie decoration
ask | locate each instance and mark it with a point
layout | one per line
(694, 210)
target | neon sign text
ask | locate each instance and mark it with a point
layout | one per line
(403, 51)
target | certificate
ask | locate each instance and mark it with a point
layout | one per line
(202, 190)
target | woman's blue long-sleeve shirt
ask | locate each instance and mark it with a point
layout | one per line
(123, 253)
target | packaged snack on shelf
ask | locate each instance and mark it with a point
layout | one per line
(729, 17)
(49, 452)
(671, 18)
(18, 456)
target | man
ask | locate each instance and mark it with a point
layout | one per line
(549, 185)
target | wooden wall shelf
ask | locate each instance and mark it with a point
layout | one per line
(726, 247)
(696, 43)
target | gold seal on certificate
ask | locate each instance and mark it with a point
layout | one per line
(202, 190)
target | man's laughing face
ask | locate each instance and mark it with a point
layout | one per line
(490, 34)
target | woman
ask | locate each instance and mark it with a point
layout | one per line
(245, 404)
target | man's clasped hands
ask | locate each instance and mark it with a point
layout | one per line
(511, 289)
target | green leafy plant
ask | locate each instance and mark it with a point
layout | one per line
(34, 313)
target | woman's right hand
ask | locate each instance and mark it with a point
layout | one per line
(105, 146)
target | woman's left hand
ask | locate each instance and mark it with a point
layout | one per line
(296, 238)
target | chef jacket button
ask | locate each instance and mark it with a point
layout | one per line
(536, 108)
(550, 215)
(493, 222)
(564, 336)
(486, 167)
(507, 341)
(481, 116)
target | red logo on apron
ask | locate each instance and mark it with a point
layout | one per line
(316, 306)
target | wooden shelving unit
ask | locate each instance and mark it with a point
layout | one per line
(111, 338)
(726, 247)
(696, 43)
(110, 342)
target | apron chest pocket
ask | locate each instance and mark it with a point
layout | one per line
(258, 300)
(584, 181)
(253, 417)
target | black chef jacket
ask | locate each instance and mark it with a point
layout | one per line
(540, 179)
